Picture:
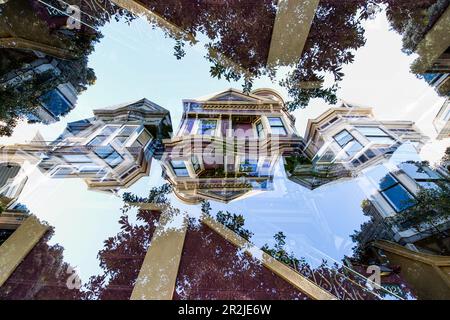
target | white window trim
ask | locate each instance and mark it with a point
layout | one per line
(288, 129)
(218, 130)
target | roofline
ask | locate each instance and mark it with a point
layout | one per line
(251, 95)
(329, 112)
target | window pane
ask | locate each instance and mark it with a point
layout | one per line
(178, 164)
(371, 131)
(381, 140)
(181, 172)
(55, 102)
(76, 158)
(195, 164)
(104, 152)
(128, 130)
(248, 166)
(399, 198)
(207, 127)
(328, 156)
(370, 154)
(386, 182)
(260, 129)
(279, 130)
(144, 138)
(353, 148)
(62, 172)
(418, 172)
(381, 178)
(108, 130)
(343, 138)
(275, 121)
(91, 169)
(447, 116)
(428, 185)
(120, 141)
(98, 140)
(114, 159)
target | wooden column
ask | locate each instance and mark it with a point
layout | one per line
(18, 245)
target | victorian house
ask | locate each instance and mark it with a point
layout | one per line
(113, 149)
(344, 140)
(391, 190)
(109, 151)
(227, 145)
(442, 121)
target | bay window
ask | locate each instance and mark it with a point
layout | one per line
(179, 167)
(206, 126)
(276, 125)
(376, 135)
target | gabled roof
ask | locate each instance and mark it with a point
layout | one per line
(143, 105)
(232, 94)
(344, 108)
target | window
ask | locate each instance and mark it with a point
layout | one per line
(124, 134)
(326, 125)
(142, 140)
(370, 154)
(106, 132)
(428, 185)
(347, 142)
(55, 102)
(207, 127)
(195, 164)
(265, 168)
(397, 195)
(248, 166)
(327, 157)
(97, 141)
(419, 172)
(376, 135)
(92, 169)
(447, 116)
(343, 137)
(353, 148)
(276, 125)
(179, 168)
(424, 176)
(63, 172)
(109, 154)
(260, 129)
(76, 158)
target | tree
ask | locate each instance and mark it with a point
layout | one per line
(342, 281)
(235, 223)
(21, 100)
(156, 195)
(446, 158)
(239, 40)
(336, 32)
(42, 275)
(123, 254)
(427, 213)
(121, 258)
(413, 19)
(206, 207)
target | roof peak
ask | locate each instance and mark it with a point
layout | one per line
(271, 96)
(141, 102)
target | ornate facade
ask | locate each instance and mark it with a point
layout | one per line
(227, 145)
